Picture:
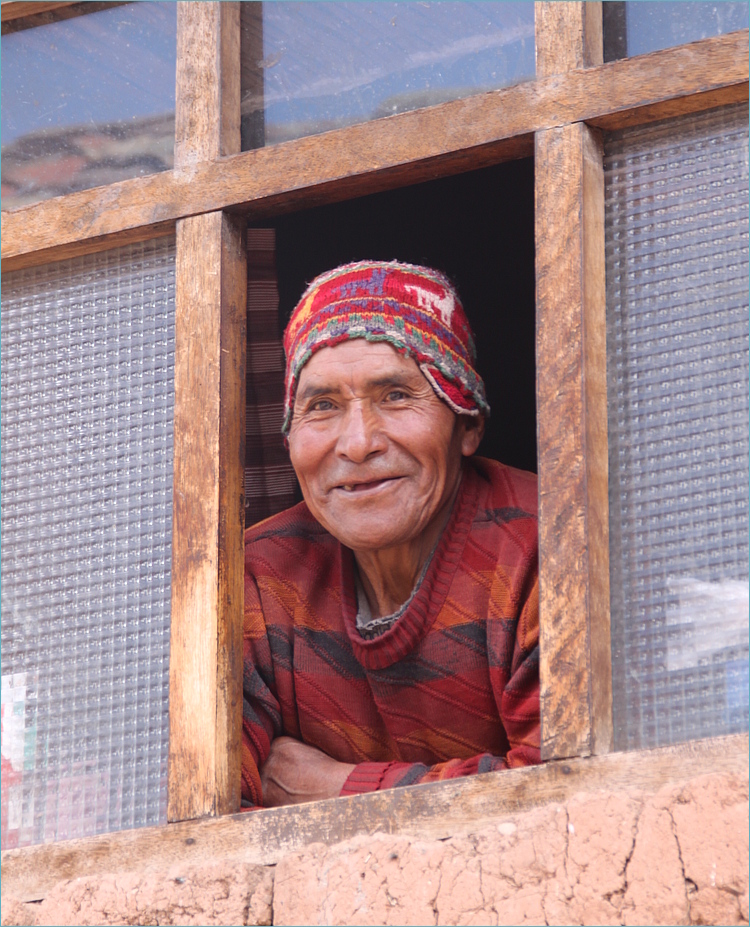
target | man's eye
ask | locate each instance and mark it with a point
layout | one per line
(395, 395)
(321, 405)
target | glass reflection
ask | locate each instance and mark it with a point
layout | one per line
(310, 67)
(87, 101)
(638, 28)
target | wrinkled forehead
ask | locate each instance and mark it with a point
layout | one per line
(358, 363)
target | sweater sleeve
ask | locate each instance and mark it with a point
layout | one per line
(513, 657)
(261, 712)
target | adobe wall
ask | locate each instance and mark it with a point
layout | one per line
(676, 856)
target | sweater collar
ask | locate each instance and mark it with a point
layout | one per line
(423, 609)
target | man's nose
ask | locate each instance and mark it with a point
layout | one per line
(361, 435)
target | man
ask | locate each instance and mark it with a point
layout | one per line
(391, 619)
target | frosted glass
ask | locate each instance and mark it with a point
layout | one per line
(87, 411)
(677, 356)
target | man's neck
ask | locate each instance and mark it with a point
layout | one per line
(389, 576)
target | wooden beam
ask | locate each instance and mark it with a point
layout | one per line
(572, 443)
(205, 694)
(572, 404)
(568, 36)
(207, 107)
(431, 811)
(17, 9)
(205, 663)
(449, 138)
(27, 14)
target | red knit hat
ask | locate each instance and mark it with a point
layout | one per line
(413, 308)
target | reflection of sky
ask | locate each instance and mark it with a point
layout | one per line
(330, 60)
(116, 64)
(651, 26)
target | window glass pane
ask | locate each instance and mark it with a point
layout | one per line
(87, 101)
(677, 358)
(635, 28)
(87, 409)
(311, 67)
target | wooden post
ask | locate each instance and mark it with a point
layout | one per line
(576, 683)
(568, 36)
(205, 691)
(207, 99)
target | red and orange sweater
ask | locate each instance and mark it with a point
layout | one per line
(451, 689)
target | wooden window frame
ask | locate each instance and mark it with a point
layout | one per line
(206, 200)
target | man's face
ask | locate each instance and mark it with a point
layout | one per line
(377, 454)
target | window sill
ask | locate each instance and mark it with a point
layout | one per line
(432, 811)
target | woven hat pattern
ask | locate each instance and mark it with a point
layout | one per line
(415, 309)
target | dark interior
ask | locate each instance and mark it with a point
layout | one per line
(478, 228)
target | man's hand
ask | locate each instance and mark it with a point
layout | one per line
(295, 772)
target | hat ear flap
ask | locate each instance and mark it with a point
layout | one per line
(449, 392)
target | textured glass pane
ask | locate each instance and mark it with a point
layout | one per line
(311, 67)
(677, 358)
(87, 409)
(635, 28)
(87, 101)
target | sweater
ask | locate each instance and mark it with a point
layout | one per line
(452, 688)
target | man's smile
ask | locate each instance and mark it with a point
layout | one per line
(355, 487)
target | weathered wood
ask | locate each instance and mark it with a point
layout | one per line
(449, 138)
(574, 515)
(207, 108)
(572, 443)
(16, 9)
(431, 811)
(233, 273)
(92, 245)
(210, 329)
(568, 36)
(596, 438)
(205, 664)
(17, 16)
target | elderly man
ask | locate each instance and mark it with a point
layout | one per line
(391, 619)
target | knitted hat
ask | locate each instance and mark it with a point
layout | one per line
(415, 309)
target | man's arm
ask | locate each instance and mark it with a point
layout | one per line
(297, 772)
(261, 712)
(282, 770)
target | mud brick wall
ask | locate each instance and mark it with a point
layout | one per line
(676, 856)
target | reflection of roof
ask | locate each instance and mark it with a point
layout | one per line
(49, 163)
(407, 101)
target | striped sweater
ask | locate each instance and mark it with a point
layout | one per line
(451, 689)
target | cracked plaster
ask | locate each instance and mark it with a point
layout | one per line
(679, 856)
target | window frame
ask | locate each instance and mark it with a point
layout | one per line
(206, 200)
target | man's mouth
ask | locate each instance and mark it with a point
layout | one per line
(365, 485)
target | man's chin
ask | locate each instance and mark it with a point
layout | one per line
(368, 534)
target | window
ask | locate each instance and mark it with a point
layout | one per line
(206, 201)
(87, 100)
(88, 396)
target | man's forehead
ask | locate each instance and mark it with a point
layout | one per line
(360, 360)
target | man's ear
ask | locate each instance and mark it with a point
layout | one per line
(473, 432)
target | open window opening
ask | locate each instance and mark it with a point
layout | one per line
(476, 227)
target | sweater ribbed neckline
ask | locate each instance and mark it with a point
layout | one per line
(385, 650)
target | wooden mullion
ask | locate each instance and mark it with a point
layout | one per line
(207, 98)
(568, 35)
(575, 669)
(444, 139)
(205, 694)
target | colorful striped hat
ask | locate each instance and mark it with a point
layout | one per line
(415, 309)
